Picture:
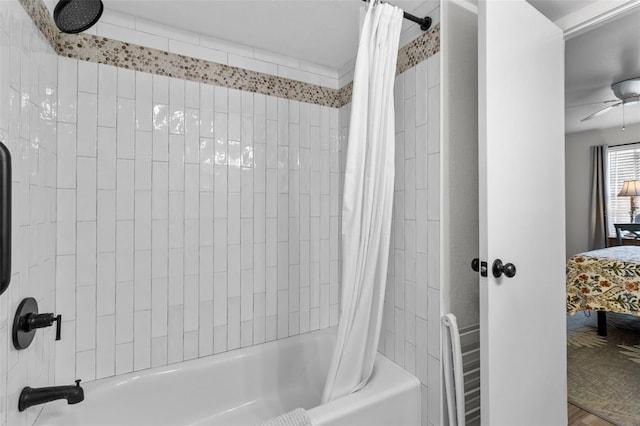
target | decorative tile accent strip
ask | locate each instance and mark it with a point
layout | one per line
(87, 47)
(421, 48)
(344, 94)
(126, 55)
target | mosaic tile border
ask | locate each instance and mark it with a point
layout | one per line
(101, 50)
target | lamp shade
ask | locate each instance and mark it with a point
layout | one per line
(630, 188)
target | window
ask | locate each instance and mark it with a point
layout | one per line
(624, 164)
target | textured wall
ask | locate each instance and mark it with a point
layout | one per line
(28, 92)
(193, 219)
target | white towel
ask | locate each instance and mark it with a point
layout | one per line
(297, 417)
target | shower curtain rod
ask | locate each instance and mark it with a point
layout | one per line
(425, 23)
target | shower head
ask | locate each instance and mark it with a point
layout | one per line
(75, 16)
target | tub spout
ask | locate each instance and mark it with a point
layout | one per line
(34, 396)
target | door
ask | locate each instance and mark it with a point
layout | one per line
(521, 200)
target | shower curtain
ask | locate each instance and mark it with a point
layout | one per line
(368, 202)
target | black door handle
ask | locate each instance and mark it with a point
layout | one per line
(498, 268)
(478, 266)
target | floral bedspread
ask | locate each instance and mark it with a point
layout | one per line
(606, 279)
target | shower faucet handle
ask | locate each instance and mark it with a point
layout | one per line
(27, 320)
(33, 321)
(58, 326)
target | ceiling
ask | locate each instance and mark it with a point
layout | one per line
(325, 32)
(557, 9)
(594, 61)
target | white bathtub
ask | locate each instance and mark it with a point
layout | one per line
(244, 387)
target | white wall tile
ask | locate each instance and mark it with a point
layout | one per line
(166, 209)
(136, 37)
(199, 52)
(160, 89)
(86, 318)
(125, 172)
(164, 31)
(126, 83)
(205, 332)
(87, 77)
(87, 124)
(106, 220)
(106, 164)
(175, 344)
(86, 255)
(124, 250)
(142, 340)
(124, 313)
(124, 358)
(190, 345)
(106, 288)
(66, 176)
(143, 160)
(86, 193)
(65, 286)
(142, 280)
(144, 99)
(159, 305)
(67, 90)
(107, 93)
(126, 128)
(66, 225)
(105, 346)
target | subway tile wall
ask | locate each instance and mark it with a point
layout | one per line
(192, 219)
(28, 92)
(411, 321)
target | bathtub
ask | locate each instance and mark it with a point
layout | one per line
(243, 387)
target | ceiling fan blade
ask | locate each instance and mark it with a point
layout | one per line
(602, 111)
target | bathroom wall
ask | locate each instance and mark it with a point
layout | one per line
(28, 92)
(192, 219)
(411, 322)
(412, 304)
(460, 222)
(187, 219)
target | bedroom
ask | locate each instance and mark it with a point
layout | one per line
(594, 61)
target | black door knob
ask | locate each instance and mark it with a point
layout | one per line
(499, 268)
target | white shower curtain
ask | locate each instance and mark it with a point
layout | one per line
(368, 202)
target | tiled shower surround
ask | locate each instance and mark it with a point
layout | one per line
(182, 219)
(411, 318)
(28, 94)
(192, 219)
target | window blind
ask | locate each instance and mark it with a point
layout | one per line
(624, 164)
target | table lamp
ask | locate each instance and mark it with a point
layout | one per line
(631, 188)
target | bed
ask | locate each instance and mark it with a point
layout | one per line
(604, 280)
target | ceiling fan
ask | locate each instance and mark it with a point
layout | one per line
(627, 92)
